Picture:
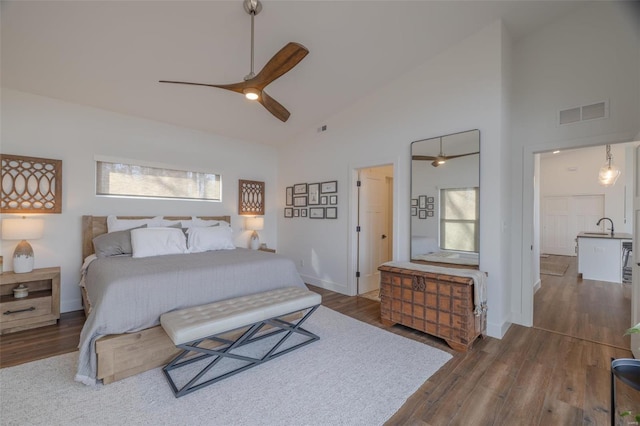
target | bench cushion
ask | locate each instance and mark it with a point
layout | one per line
(198, 322)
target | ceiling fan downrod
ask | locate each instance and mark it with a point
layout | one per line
(252, 7)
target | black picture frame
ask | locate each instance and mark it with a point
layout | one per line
(429, 206)
(324, 200)
(430, 200)
(316, 212)
(331, 213)
(299, 188)
(414, 211)
(429, 213)
(300, 201)
(288, 212)
(289, 196)
(422, 202)
(303, 212)
(422, 214)
(314, 194)
(333, 200)
(296, 212)
(414, 202)
(329, 187)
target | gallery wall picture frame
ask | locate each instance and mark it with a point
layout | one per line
(303, 212)
(299, 188)
(333, 200)
(430, 200)
(329, 187)
(296, 212)
(316, 212)
(414, 211)
(324, 200)
(288, 212)
(422, 214)
(429, 206)
(429, 213)
(331, 213)
(414, 202)
(314, 194)
(422, 202)
(300, 201)
(289, 196)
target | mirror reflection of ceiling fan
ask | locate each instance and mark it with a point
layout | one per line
(441, 158)
(253, 85)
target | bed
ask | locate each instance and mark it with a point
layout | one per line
(125, 296)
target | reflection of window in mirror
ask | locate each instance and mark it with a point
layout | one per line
(459, 219)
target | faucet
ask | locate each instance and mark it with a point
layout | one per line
(603, 218)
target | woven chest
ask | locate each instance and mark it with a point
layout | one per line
(438, 304)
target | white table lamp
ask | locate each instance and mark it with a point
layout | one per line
(254, 224)
(22, 229)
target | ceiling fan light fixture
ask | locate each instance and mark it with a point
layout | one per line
(251, 93)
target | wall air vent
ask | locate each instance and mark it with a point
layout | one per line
(584, 113)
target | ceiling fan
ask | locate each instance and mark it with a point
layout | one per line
(441, 158)
(253, 85)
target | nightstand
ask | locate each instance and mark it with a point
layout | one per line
(267, 249)
(41, 306)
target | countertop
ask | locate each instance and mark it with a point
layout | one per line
(616, 236)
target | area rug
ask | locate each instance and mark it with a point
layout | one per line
(553, 265)
(356, 374)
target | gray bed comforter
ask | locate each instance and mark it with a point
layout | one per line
(129, 295)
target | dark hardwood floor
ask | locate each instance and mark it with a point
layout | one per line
(530, 377)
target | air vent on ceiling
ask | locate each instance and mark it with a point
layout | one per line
(584, 113)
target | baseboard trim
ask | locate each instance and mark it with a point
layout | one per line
(537, 286)
(327, 285)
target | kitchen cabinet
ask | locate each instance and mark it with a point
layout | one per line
(600, 256)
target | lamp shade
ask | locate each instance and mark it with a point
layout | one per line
(254, 223)
(22, 229)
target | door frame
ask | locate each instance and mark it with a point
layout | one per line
(523, 289)
(352, 235)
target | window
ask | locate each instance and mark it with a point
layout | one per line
(130, 180)
(459, 219)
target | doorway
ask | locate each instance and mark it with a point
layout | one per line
(374, 227)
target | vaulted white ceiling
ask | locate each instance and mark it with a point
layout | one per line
(111, 54)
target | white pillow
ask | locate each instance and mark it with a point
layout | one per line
(210, 238)
(157, 242)
(114, 224)
(197, 222)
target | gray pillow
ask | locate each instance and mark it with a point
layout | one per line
(114, 243)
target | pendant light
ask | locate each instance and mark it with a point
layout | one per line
(609, 172)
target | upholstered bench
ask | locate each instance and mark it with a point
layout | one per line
(189, 328)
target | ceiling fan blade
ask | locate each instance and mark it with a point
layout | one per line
(234, 87)
(286, 58)
(274, 107)
(423, 157)
(448, 157)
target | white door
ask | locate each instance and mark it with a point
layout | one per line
(563, 217)
(374, 235)
(635, 284)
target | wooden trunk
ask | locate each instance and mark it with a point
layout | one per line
(438, 304)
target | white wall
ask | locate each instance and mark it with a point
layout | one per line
(459, 90)
(44, 127)
(589, 56)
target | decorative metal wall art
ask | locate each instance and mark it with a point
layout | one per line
(31, 185)
(250, 197)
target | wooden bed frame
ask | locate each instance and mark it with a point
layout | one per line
(124, 355)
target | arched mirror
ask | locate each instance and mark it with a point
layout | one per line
(445, 200)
